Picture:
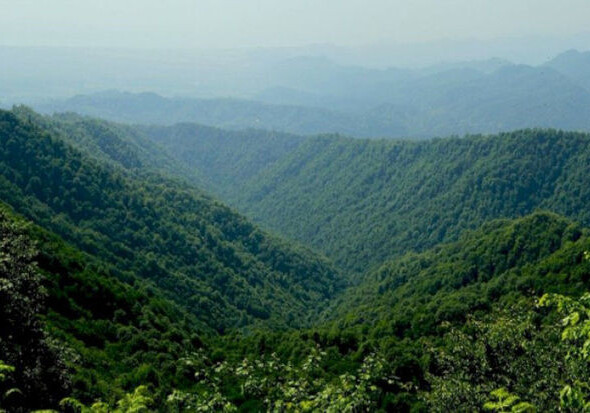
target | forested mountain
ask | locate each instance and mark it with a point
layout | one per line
(500, 261)
(96, 335)
(357, 207)
(134, 287)
(198, 252)
(460, 320)
(115, 144)
(465, 284)
(363, 201)
(99, 336)
(223, 159)
(314, 95)
(446, 327)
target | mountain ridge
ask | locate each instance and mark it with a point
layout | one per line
(312, 96)
(135, 222)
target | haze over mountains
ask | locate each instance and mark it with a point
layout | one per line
(40, 73)
(315, 95)
(304, 229)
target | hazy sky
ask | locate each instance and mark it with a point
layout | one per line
(239, 23)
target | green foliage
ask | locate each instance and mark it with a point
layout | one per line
(276, 386)
(224, 160)
(115, 144)
(506, 402)
(194, 250)
(163, 265)
(364, 201)
(33, 359)
(412, 296)
(137, 402)
(161, 298)
(575, 395)
(105, 331)
(576, 322)
(473, 359)
(512, 349)
(5, 369)
(6, 393)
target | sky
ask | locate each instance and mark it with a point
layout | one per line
(222, 24)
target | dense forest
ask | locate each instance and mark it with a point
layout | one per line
(161, 230)
(363, 201)
(448, 274)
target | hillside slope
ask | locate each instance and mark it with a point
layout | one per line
(198, 252)
(462, 319)
(70, 327)
(165, 268)
(502, 261)
(441, 329)
(225, 159)
(363, 201)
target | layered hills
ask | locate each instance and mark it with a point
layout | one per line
(195, 250)
(124, 280)
(363, 201)
(313, 95)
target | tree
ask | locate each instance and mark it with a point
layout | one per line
(39, 371)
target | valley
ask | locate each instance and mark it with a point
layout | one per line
(294, 206)
(375, 258)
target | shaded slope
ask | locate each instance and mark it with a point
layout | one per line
(362, 202)
(226, 159)
(112, 143)
(499, 263)
(198, 252)
(69, 325)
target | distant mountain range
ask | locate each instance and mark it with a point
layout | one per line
(315, 95)
(575, 65)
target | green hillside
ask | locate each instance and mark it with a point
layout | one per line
(459, 321)
(361, 201)
(435, 331)
(133, 289)
(468, 309)
(224, 159)
(502, 261)
(96, 336)
(118, 145)
(197, 251)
